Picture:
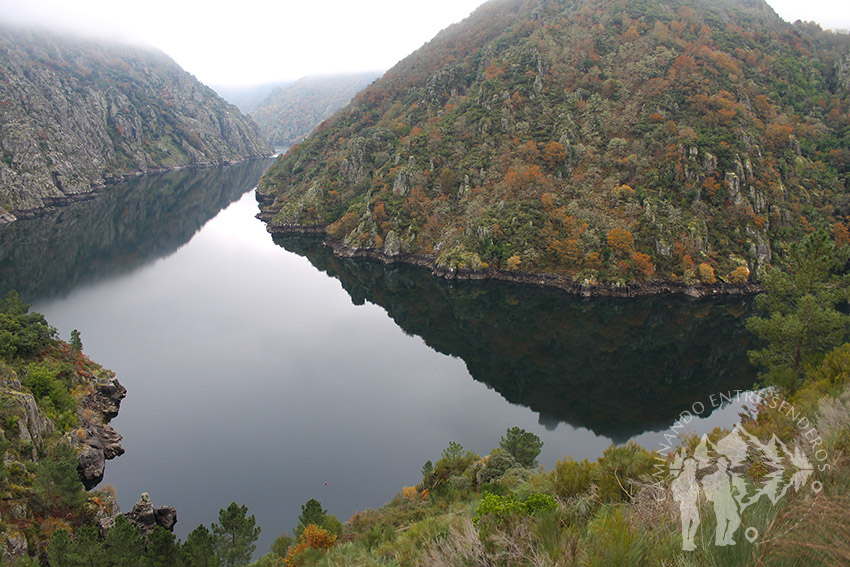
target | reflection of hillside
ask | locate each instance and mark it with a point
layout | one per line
(123, 227)
(617, 367)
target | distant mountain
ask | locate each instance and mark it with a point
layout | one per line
(291, 112)
(246, 98)
(77, 114)
(617, 142)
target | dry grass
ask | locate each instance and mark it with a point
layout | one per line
(809, 533)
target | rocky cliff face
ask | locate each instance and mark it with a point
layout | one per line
(76, 115)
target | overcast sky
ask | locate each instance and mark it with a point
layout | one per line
(258, 41)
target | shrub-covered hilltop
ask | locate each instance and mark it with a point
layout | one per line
(77, 114)
(608, 141)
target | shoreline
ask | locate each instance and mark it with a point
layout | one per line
(52, 204)
(540, 279)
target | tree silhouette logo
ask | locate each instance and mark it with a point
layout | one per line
(733, 474)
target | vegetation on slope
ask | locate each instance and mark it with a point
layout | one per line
(290, 112)
(617, 141)
(43, 381)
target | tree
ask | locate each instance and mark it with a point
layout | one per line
(522, 445)
(199, 549)
(621, 241)
(76, 341)
(84, 549)
(162, 550)
(22, 333)
(311, 513)
(235, 535)
(282, 544)
(57, 485)
(124, 544)
(799, 319)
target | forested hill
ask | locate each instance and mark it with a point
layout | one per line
(610, 141)
(290, 112)
(76, 114)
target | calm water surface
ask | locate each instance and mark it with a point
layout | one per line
(257, 370)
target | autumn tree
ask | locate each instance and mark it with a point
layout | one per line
(621, 241)
(554, 154)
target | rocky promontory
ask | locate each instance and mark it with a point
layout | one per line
(97, 440)
(77, 115)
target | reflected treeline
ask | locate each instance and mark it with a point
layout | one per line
(121, 228)
(616, 367)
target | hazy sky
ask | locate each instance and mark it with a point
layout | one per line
(258, 41)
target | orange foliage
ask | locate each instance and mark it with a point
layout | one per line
(643, 265)
(493, 72)
(739, 275)
(554, 154)
(840, 234)
(778, 135)
(529, 151)
(520, 179)
(313, 537)
(706, 274)
(656, 118)
(593, 261)
(621, 241)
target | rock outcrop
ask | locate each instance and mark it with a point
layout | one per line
(76, 115)
(98, 440)
(146, 517)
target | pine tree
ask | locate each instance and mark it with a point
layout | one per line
(800, 321)
(311, 513)
(235, 535)
(523, 446)
(124, 544)
(199, 549)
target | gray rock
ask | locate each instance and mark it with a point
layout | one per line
(146, 517)
(78, 115)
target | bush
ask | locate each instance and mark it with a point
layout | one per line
(571, 478)
(498, 463)
(618, 468)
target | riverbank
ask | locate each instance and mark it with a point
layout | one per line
(51, 204)
(541, 279)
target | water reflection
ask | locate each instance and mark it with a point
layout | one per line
(616, 367)
(117, 231)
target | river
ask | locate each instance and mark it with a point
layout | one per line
(269, 372)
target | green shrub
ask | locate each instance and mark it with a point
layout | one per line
(612, 541)
(571, 478)
(618, 468)
(498, 463)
